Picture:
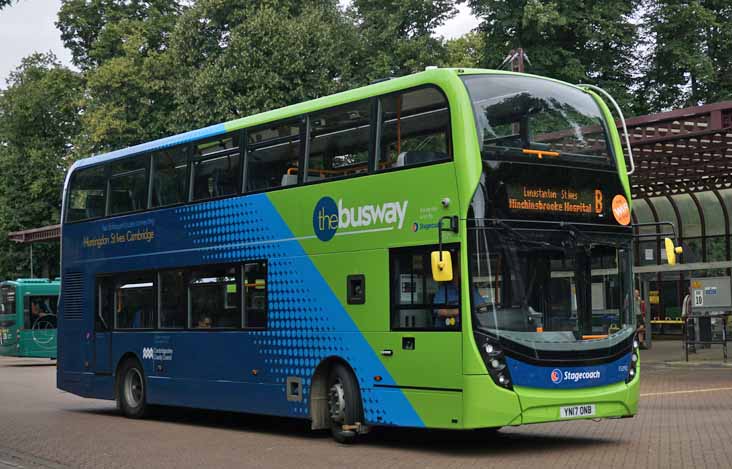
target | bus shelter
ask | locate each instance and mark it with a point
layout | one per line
(683, 175)
(36, 235)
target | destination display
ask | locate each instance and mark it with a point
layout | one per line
(555, 200)
(553, 193)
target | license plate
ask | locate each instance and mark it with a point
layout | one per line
(577, 411)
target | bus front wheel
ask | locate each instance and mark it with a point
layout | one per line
(131, 390)
(345, 410)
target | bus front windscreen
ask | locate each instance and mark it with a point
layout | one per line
(554, 290)
(522, 117)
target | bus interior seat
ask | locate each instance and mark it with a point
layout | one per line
(289, 179)
(408, 158)
(95, 206)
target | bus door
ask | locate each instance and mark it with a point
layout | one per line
(103, 318)
(424, 347)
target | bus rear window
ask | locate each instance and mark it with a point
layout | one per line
(87, 194)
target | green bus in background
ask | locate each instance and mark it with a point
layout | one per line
(28, 317)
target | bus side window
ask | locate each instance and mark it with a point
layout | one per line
(254, 281)
(103, 319)
(134, 301)
(339, 141)
(170, 177)
(415, 128)
(273, 153)
(128, 184)
(216, 167)
(87, 194)
(214, 298)
(417, 301)
(173, 299)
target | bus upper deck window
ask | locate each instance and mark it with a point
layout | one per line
(170, 177)
(87, 194)
(128, 185)
(339, 141)
(273, 152)
(415, 128)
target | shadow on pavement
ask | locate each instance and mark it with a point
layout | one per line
(452, 442)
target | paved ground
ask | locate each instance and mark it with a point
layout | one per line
(685, 420)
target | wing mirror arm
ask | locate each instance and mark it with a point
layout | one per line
(671, 241)
(442, 260)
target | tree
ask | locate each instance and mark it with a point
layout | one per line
(688, 54)
(236, 59)
(39, 118)
(95, 30)
(398, 35)
(465, 51)
(574, 40)
(121, 46)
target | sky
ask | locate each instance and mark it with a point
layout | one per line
(28, 26)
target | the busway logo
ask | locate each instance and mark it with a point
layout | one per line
(329, 217)
(557, 376)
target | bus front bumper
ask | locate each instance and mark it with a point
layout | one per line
(487, 405)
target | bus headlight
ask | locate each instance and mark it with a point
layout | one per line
(634, 358)
(494, 361)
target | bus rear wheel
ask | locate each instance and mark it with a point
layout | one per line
(131, 390)
(345, 409)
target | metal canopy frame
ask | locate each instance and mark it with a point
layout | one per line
(36, 235)
(682, 151)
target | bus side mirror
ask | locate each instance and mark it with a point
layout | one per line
(672, 251)
(441, 266)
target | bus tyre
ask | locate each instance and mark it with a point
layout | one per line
(131, 390)
(344, 404)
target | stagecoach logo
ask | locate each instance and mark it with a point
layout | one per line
(329, 217)
(558, 376)
(157, 354)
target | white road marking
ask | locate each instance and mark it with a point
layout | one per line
(690, 391)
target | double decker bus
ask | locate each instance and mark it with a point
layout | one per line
(28, 317)
(449, 249)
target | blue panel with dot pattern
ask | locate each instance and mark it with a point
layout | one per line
(306, 321)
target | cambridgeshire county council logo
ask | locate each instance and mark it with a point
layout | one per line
(556, 376)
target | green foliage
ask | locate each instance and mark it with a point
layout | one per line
(465, 51)
(688, 59)
(397, 35)
(95, 30)
(237, 59)
(39, 114)
(573, 40)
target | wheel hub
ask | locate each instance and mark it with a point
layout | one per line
(337, 403)
(133, 387)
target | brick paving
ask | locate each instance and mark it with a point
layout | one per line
(685, 420)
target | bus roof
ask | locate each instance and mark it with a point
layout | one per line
(30, 281)
(434, 76)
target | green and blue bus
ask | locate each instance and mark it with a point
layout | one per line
(28, 317)
(449, 249)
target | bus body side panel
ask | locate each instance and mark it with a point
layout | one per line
(306, 321)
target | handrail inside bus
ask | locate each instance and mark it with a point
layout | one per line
(622, 121)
